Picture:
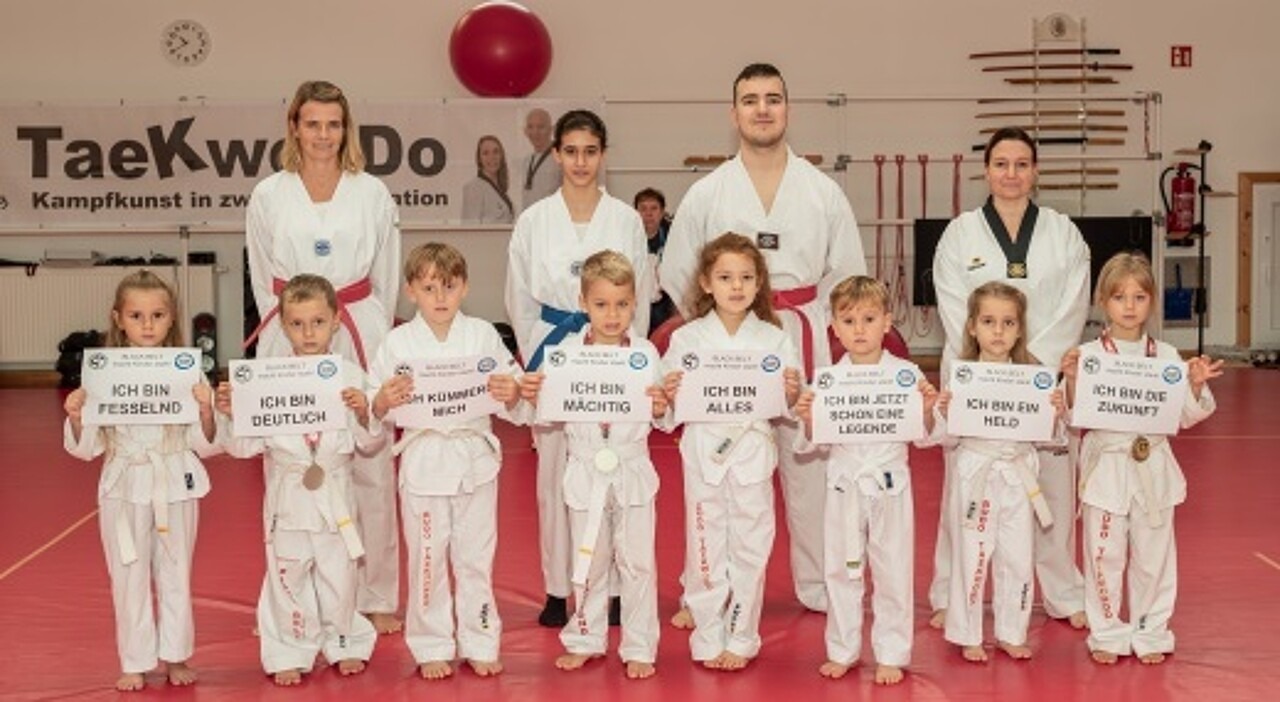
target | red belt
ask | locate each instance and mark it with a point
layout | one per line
(791, 301)
(348, 295)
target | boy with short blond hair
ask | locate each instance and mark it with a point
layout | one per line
(449, 474)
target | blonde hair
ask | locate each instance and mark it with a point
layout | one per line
(350, 155)
(1120, 267)
(448, 262)
(308, 286)
(1000, 291)
(856, 289)
(609, 266)
(701, 302)
(143, 280)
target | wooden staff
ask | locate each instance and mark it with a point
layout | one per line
(1052, 113)
(1061, 128)
(1066, 171)
(1095, 66)
(1057, 141)
(1078, 186)
(1087, 80)
(1046, 52)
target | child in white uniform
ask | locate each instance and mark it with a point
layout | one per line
(991, 493)
(728, 468)
(869, 506)
(609, 485)
(308, 600)
(1129, 483)
(550, 241)
(448, 474)
(148, 497)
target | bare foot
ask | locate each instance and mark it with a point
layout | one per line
(384, 622)
(1078, 620)
(682, 619)
(833, 670)
(287, 678)
(485, 669)
(179, 673)
(974, 654)
(727, 661)
(888, 674)
(435, 670)
(639, 671)
(350, 666)
(128, 682)
(1104, 657)
(1151, 658)
(1018, 653)
(573, 661)
(939, 619)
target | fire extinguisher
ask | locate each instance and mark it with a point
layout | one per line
(1181, 210)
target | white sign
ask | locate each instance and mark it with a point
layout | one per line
(287, 395)
(1004, 401)
(106, 166)
(855, 404)
(730, 386)
(596, 384)
(140, 386)
(1129, 393)
(446, 391)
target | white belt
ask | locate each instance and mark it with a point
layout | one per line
(411, 436)
(159, 502)
(851, 498)
(1123, 445)
(1015, 457)
(600, 483)
(726, 445)
(331, 501)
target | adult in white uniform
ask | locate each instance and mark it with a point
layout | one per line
(548, 246)
(802, 221)
(539, 171)
(1041, 253)
(307, 605)
(322, 214)
(484, 198)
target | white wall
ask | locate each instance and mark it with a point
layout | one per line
(380, 49)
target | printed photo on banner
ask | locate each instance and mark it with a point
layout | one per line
(1003, 401)
(447, 391)
(597, 384)
(866, 404)
(730, 386)
(140, 386)
(1129, 393)
(287, 395)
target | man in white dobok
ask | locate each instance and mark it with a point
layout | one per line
(802, 222)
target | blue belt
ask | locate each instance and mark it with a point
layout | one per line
(563, 324)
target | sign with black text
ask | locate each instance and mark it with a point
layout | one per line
(1129, 393)
(136, 385)
(287, 395)
(446, 391)
(1003, 401)
(596, 384)
(730, 386)
(855, 404)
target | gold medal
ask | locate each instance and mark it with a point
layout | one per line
(1017, 270)
(313, 478)
(1141, 449)
(606, 460)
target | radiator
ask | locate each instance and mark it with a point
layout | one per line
(38, 311)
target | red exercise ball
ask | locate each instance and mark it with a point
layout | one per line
(500, 49)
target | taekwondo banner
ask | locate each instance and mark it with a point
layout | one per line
(446, 391)
(1129, 393)
(287, 395)
(730, 386)
(105, 166)
(596, 384)
(866, 404)
(140, 386)
(1003, 401)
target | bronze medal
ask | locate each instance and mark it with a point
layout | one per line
(1017, 270)
(1141, 449)
(313, 478)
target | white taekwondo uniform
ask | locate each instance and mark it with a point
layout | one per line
(1056, 284)
(542, 291)
(353, 240)
(811, 242)
(728, 493)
